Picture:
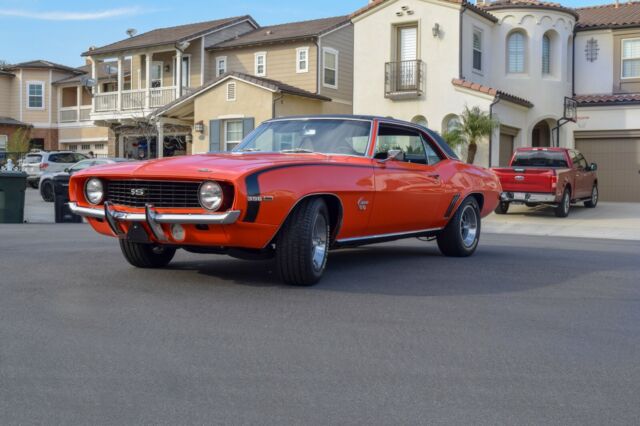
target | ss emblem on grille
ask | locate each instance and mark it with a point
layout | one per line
(137, 192)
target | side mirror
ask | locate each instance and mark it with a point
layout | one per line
(66, 170)
(593, 167)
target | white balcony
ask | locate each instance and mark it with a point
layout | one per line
(161, 96)
(106, 102)
(134, 100)
(73, 114)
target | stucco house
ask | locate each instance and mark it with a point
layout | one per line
(286, 69)
(529, 63)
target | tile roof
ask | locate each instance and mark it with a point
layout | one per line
(8, 121)
(274, 85)
(160, 36)
(480, 11)
(491, 91)
(527, 4)
(85, 71)
(283, 32)
(609, 16)
(7, 73)
(39, 63)
(618, 99)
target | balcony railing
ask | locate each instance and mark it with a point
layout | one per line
(68, 114)
(161, 96)
(133, 99)
(404, 79)
(85, 113)
(106, 102)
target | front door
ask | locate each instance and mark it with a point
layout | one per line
(408, 189)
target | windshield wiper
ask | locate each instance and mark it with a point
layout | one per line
(250, 150)
(297, 150)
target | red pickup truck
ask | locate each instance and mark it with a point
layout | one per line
(552, 176)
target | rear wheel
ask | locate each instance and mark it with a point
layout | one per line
(562, 210)
(461, 235)
(302, 246)
(502, 207)
(33, 184)
(146, 255)
(46, 191)
(593, 202)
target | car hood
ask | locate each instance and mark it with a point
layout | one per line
(223, 166)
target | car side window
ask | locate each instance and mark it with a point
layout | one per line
(574, 158)
(408, 141)
(582, 162)
(433, 156)
(63, 158)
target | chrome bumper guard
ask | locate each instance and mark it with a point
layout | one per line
(527, 197)
(153, 218)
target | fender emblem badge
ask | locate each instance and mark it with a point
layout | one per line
(362, 204)
(260, 198)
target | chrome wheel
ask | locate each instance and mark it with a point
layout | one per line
(319, 242)
(594, 195)
(566, 203)
(469, 226)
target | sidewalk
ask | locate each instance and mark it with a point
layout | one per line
(619, 221)
(36, 210)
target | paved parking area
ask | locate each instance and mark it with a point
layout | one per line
(528, 331)
(36, 210)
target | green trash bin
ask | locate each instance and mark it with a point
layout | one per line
(12, 188)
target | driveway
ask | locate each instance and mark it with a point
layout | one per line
(619, 221)
(530, 330)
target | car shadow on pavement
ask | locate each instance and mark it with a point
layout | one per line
(401, 271)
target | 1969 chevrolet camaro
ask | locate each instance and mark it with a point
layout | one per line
(293, 189)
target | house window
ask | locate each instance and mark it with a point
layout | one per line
(330, 67)
(631, 58)
(477, 50)
(3, 142)
(185, 71)
(546, 54)
(73, 147)
(232, 134)
(302, 59)
(99, 146)
(35, 91)
(261, 64)
(156, 74)
(515, 52)
(231, 91)
(85, 147)
(221, 65)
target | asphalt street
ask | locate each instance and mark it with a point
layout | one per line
(531, 330)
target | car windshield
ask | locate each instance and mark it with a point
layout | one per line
(81, 165)
(326, 136)
(539, 159)
(30, 159)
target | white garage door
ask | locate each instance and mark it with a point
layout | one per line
(618, 162)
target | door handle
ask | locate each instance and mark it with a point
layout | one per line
(434, 176)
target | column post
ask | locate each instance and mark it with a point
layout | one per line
(120, 84)
(94, 89)
(178, 73)
(160, 139)
(78, 101)
(147, 79)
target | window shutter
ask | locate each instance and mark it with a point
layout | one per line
(214, 135)
(247, 126)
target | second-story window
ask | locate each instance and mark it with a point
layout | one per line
(477, 49)
(330, 67)
(631, 58)
(261, 64)
(302, 59)
(156, 74)
(546, 55)
(515, 52)
(221, 65)
(35, 91)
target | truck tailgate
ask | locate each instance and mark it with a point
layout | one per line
(527, 179)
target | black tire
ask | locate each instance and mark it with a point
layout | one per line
(33, 184)
(502, 207)
(146, 255)
(562, 209)
(300, 257)
(453, 241)
(593, 202)
(46, 191)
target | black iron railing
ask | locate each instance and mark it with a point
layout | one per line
(404, 78)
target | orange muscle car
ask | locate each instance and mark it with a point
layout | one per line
(293, 189)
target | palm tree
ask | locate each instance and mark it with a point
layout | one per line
(475, 125)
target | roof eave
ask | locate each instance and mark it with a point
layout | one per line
(262, 43)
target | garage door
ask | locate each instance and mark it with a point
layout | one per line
(618, 162)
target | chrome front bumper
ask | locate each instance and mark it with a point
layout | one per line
(527, 197)
(150, 215)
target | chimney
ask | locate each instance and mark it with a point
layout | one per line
(617, 4)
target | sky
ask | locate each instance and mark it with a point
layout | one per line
(61, 30)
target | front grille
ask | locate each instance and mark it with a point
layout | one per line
(139, 193)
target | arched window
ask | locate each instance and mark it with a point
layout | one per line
(516, 52)
(421, 120)
(450, 123)
(546, 54)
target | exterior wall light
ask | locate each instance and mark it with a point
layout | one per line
(188, 138)
(436, 30)
(199, 127)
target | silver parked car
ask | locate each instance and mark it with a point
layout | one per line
(36, 163)
(46, 179)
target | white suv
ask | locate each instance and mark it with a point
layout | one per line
(38, 162)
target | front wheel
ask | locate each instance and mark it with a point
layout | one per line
(461, 235)
(46, 191)
(593, 202)
(302, 246)
(146, 255)
(562, 210)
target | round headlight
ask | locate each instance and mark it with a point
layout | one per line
(94, 191)
(210, 195)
